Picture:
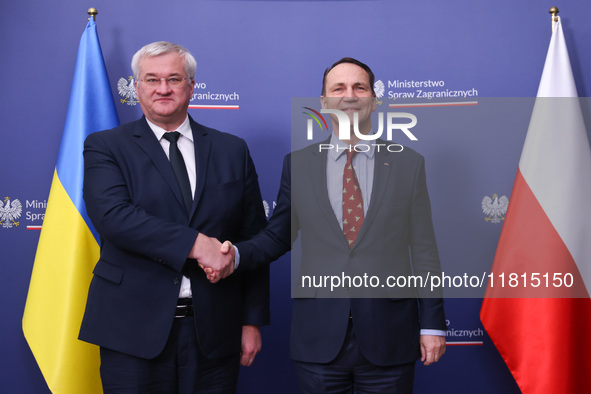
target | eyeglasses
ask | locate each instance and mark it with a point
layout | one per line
(173, 82)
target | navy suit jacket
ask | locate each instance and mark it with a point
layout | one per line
(134, 202)
(397, 238)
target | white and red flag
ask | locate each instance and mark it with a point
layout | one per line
(541, 321)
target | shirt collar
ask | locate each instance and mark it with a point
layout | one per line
(365, 147)
(184, 129)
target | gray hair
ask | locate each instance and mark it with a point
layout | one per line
(160, 48)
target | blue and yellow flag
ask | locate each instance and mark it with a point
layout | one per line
(68, 245)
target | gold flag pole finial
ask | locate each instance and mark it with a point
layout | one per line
(92, 12)
(554, 12)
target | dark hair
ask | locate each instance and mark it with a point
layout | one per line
(364, 66)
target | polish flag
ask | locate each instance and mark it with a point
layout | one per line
(542, 325)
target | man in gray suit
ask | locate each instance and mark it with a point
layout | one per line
(356, 210)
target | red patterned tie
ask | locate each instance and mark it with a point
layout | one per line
(352, 202)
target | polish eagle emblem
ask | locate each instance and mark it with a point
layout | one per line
(127, 91)
(267, 207)
(9, 212)
(379, 88)
(495, 208)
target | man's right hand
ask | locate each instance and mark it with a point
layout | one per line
(208, 253)
(227, 248)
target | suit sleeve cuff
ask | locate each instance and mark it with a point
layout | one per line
(439, 333)
(236, 258)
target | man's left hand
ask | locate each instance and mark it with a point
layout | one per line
(432, 348)
(251, 344)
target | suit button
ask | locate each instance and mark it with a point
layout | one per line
(176, 281)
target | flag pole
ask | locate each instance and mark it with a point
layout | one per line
(553, 11)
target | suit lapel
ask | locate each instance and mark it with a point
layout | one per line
(148, 142)
(202, 144)
(383, 167)
(317, 170)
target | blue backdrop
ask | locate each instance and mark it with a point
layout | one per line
(255, 56)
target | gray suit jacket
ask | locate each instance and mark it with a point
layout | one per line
(396, 238)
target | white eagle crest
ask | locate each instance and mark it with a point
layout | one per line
(10, 212)
(495, 208)
(379, 88)
(127, 90)
(267, 207)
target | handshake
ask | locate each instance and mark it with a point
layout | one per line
(215, 258)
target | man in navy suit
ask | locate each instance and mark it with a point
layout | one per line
(156, 190)
(359, 207)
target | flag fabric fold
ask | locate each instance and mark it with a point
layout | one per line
(68, 244)
(542, 336)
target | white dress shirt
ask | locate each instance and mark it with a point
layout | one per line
(187, 147)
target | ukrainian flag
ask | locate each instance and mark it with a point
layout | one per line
(68, 245)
